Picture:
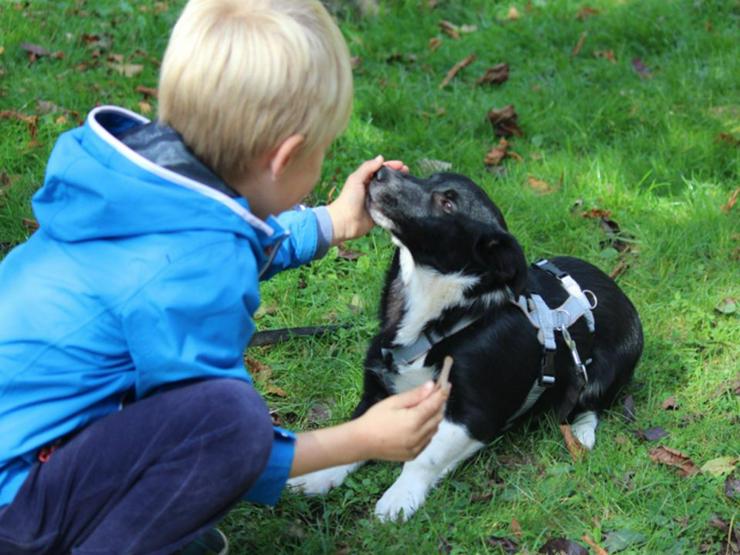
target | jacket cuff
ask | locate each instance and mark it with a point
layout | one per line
(326, 230)
(270, 484)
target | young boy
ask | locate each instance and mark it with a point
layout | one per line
(127, 421)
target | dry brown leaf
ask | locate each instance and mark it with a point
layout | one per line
(729, 205)
(497, 153)
(670, 403)
(513, 14)
(348, 254)
(127, 70)
(449, 29)
(144, 107)
(540, 186)
(2, 50)
(579, 45)
(574, 446)
(456, 69)
(495, 75)
(585, 12)
(516, 528)
(672, 457)
(434, 43)
(30, 121)
(504, 121)
(621, 267)
(275, 390)
(606, 55)
(150, 92)
(598, 550)
(29, 224)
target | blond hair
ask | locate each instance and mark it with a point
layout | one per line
(240, 76)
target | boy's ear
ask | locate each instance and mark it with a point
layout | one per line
(285, 152)
(503, 257)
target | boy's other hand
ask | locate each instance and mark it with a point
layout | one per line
(348, 214)
(401, 426)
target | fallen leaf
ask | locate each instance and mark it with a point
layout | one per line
(585, 12)
(148, 92)
(732, 487)
(598, 550)
(127, 70)
(726, 306)
(651, 434)
(468, 28)
(606, 55)
(620, 540)
(720, 466)
(516, 528)
(628, 409)
(672, 457)
(670, 403)
(561, 546)
(504, 121)
(434, 43)
(428, 166)
(2, 50)
(275, 390)
(730, 204)
(47, 107)
(574, 446)
(495, 75)
(318, 413)
(117, 58)
(481, 497)
(505, 545)
(259, 370)
(456, 69)
(347, 253)
(579, 45)
(642, 70)
(621, 267)
(144, 107)
(497, 153)
(596, 213)
(731, 535)
(540, 186)
(513, 14)
(728, 138)
(34, 51)
(30, 225)
(449, 29)
(30, 121)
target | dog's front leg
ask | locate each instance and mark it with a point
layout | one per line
(450, 446)
(321, 481)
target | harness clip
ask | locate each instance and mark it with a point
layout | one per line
(547, 374)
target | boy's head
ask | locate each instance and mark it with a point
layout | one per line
(239, 77)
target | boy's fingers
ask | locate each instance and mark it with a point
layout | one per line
(426, 408)
(413, 397)
(368, 168)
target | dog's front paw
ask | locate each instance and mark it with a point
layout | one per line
(321, 481)
(584, 428)
(401, 500)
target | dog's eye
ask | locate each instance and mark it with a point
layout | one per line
(446, 204)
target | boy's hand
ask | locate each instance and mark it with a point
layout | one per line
(401, 426)
(348, 214)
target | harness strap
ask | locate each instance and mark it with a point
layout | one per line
(407, 354)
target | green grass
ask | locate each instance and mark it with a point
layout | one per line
(645, 149)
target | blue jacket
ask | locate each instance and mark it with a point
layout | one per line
(138, 277)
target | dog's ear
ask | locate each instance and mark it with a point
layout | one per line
(502, 256)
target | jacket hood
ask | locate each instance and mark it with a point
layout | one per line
(98, 187)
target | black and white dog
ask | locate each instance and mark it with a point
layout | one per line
(452, 289)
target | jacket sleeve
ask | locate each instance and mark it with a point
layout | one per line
(310, 233)
(193, 321)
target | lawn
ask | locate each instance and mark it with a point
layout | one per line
(627, 155)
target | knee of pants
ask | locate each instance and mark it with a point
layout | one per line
(236, 408)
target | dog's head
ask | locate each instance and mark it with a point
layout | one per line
(449, 224)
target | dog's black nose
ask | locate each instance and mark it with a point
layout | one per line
(383, 174)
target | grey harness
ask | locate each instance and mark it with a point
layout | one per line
(547, 321)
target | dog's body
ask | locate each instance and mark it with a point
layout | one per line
(455, 259)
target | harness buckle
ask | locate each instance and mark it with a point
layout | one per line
(547, 368)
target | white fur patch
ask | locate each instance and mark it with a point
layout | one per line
(321, 481)
(449, 447)
(411, 375)
(381, 219)
(584, 428)
(428, 293)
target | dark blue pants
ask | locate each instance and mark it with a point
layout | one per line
(147, 479)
